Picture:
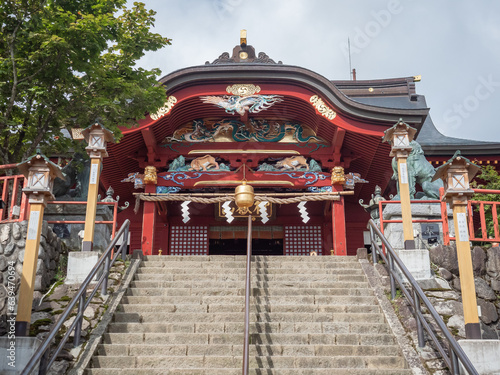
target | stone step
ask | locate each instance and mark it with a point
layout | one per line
(274, 307)
(255, 272)
(257, 258)
(252, 371)
(156, 317)
(255, 338)
(255, 265)
(254, 361)
(255, 293)
(309, 315)
(136, 286)
(255, 300)
(255, 327)
(240, 277)
(237, 350)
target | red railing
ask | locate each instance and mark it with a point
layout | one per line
(478, 207)
(113, 222)
(14, 201)
(15, 207)
(473, 207)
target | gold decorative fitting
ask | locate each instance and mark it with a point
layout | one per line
(244, 198)
(235, 182)
(370, 89)
(150, 175)
(322, 108)
(243, 89)
(169, 104)
(338, 176)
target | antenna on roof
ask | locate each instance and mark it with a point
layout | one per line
(352, 71)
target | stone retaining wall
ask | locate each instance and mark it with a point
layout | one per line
(12, 245)
(486, 264)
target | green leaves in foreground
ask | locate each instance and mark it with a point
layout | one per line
(64, 63)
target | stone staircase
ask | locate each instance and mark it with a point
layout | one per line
(309, 315)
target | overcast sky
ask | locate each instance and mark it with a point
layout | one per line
(453, 44)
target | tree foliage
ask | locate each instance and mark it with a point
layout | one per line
(488, 179)
(64, 63)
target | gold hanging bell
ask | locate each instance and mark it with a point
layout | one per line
(244, 198)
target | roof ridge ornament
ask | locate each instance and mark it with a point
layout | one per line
(243, 53)
(225, 58)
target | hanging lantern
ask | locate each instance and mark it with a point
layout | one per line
(244, 197)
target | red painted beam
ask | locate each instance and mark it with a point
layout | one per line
(148, 223)
(303, 179)
(150, 141)
(338, 227)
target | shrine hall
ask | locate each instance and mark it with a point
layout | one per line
(310, 147)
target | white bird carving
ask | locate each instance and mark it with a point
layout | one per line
(241, 104)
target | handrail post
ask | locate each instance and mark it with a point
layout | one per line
(247, 298)
(78, 327)
(455, 365)
(420, 331)
(104, 287)
(374, 249)
(391, 275)
(125, 244)
(42, 366)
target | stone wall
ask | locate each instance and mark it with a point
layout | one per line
(419, 211)
(12, 245)
(486, 264)
(69, 233)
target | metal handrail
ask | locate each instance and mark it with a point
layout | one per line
(106, 258)
(416, 298)
(248, 280)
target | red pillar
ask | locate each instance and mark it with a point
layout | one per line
(148, 222)
(338, 227)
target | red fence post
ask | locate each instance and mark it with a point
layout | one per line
(444, 217)
(495, 221)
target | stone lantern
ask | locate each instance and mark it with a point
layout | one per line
(97, 137)
(399, 137)
(40, 173)
(456, 174)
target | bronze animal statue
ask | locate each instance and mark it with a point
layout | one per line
(75, 186)
(420, 172)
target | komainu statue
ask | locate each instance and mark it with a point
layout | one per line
(420, 171)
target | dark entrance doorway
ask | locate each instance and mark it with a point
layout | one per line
(238, 246)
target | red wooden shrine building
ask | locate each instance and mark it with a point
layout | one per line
(282, 128)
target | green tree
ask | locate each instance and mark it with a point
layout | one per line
(488, 178)
(64, 63)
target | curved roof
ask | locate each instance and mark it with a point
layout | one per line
(400, 93)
